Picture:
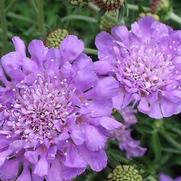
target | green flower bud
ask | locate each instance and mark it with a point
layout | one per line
(107, 20)
(161, 7)
(108, 5)
(55, 37)
(149, 14)
(78, 2)
(125, 173)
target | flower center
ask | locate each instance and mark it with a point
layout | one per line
(41, 111)
(147, 68)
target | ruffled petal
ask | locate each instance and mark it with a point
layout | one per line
(9, 170)
(38, 51)
(109, 123)
(70, 173)
(106, 88)
(77, 136)
(55, 171)
(25, 175)
(94, 139)
(121, 33)
(74, 159)
(96, 159)
(41, 168)
(104, 43)
(142, 28)
(71, 47)
(103, 67)
(11, 63)
(19, 46)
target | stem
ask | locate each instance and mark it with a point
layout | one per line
(172, 141)
(40, 18)
(90, 51)
(175, 17)
(79, 17)
(4, 26)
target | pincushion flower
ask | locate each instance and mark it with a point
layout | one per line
(131, 146)
(51, 125)
(146, 62)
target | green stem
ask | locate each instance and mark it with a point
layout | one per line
(172, 141)
(175, 17)
(90, 51)
(79, 17)
(40, 17)
(10, 5)
(4, 26)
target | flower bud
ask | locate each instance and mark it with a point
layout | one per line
(107, 23)
(108, 5)
(55, 37)
(125, 173)
(161, 7)
(78, 2)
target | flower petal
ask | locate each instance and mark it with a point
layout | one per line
(71, 47)
(103, 67)
(96, 159)
(106, 88)
(19, 45)
(9, 170)
(94, 139)
(25, 175)
(41, 168)
(74, 159)
(109, 123)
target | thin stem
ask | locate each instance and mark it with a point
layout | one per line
(175, 17)
(79, 17)
(40, 17)
(90, 51)
(10, 5)
(172, 141)
(4, 26)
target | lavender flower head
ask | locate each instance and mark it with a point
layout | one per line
(146, 62)
(123, 135)
(51, 124)
(164, 177)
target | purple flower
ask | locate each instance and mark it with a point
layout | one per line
(50, 121)
(164, 177)
(123, 135)
(146, 62)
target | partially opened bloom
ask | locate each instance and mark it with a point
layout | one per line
(164, 177)
(146, 62)
(51, 126)
(127, 143)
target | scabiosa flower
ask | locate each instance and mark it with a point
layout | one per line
(51, 125)
(123, 135)
(146, 63)
(164, 177)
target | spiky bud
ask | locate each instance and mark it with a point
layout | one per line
(55, 37)
(108, 20)
(78, 2)
(161, 7)
(125, 173)
(149, 14)
(108, 5)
